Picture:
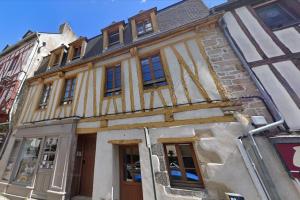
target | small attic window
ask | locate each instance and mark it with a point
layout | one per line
(56, 59)
(114, 37)
(144, 26)
(77, 52)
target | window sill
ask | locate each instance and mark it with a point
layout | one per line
(113, 96)
(155, 88)
(198, 192)
(297, 23)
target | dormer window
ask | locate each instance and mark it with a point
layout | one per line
(114, 37)
(56, 59)
(76, 49)
(144, 27)
(144, 23)
(113, 34)
(77, 52)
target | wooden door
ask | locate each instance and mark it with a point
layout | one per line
(130, 173)
(84, 166)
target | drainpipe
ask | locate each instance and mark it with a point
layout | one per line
(148, 143)
(10, 129)
(273, 109)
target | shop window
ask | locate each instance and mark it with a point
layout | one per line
(11, 161)
(113, 80)
(45, 96)
(69, 91)
(275, 15)
(182, 166)
(144, 26)
(28, 161)
(114, 37)
(152, 70)
(49, 153)
(77, 52)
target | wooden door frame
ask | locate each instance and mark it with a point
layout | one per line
(121, 170)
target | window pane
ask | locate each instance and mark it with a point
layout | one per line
(113, 37)
(109, 75)
(159, 74)
(191, 175)
(175, 172)
(140, 28)
(274, 16)
(48, 156)
(109, 85)
(148, 25)
(28, 161)
(11, 161)
(147, 77)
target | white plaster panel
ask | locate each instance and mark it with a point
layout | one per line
(56, 99)
(137, 120)
(290, 38)
(88, 125)
(111, 108)
(241, 39)
(98, 87)
(205, 77)
(80, 107)
(202, 113)
(125, 67)
(167, 96)
(193, 90)
(147, 99)
(119, 104)
(28, 111)
(291, 74)
(135, 85)
(157, 102)
(175, 74)
(77, 92)
(282, 99)
(104, 105)
(90, 96)
(259, 34)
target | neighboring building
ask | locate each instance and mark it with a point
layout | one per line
(18, 62)
(266, 37)
(149, 109)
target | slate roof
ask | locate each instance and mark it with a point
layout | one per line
(169, 18)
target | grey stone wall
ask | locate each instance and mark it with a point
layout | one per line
(234, 78)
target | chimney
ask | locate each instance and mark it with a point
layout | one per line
(65, 27)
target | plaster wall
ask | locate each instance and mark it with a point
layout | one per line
(221, 167)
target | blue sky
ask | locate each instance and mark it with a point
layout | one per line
(87, 17)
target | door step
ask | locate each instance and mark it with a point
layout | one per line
(81, 198)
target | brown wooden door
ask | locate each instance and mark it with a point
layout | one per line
(130, 173)
(84, 166)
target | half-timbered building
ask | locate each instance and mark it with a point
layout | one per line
(265, 36)
(151, 108)
(18, 62)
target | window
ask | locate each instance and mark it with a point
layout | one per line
(45, 96)
(11, 160)
(113, 80)
(49, 152)
(56, 59)
(77, 52)
(144, 27)
(275, 15)
(13, 63)
(182, 166)
(152, 70)
(69, 91)
(28, 160)
(114, 37)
